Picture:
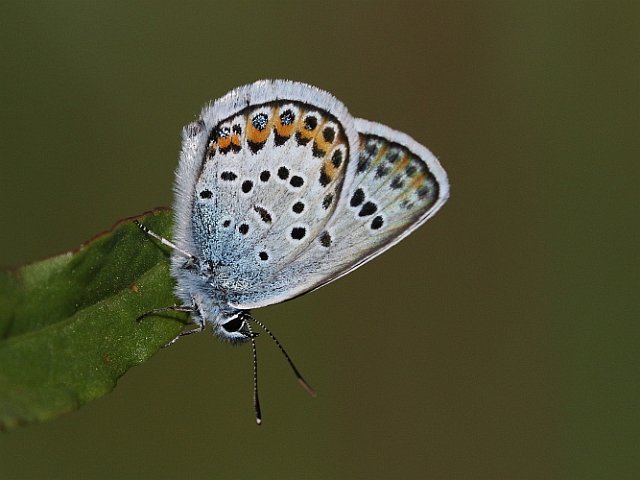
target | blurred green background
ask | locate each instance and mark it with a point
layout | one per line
(500, 341)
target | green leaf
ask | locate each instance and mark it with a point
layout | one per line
(68, 326)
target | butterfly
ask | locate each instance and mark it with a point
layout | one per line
(279, 191)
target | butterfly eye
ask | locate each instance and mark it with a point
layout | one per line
(233, 325)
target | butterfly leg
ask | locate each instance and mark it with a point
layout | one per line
(171, 308)
(176, 308)
(198, 329)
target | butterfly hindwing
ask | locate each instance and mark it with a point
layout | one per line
(264, 169)
(269, 174)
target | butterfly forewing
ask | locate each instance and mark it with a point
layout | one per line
(395, 186)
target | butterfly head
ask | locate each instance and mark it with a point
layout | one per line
(234, 327)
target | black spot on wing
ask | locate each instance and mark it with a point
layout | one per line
(265, 216)
(363, 162)
(302, 141)
(247, 185)
(255, 147)
(396, 183)
(329, 134)
(381, 171)
(357, 198)
(283, 173)
(280, 140)
(377, 222)
(287, 117)
(317, 151)
(324, 178)
(298, 233)
(336, 158)
(310, 122)
(260, 121)
(296, 181)
(327, 200)
(298, 207)
(367, 209)
(325, 239)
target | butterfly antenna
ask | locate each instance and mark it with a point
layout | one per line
(163, 240)
(256, 399)
(298, 375)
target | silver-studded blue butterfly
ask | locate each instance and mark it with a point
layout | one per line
(279, 191)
